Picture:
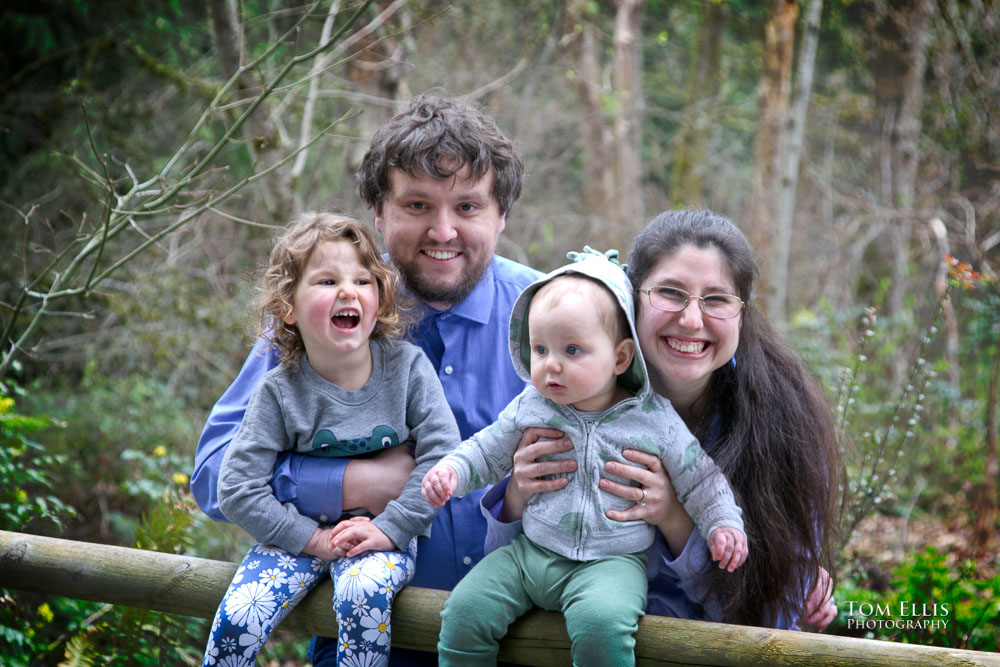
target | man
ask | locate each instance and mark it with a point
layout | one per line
(441, 179)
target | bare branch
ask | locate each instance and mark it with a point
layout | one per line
(307, 112)
(499, 83)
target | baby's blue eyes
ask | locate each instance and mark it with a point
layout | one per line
(571, 350)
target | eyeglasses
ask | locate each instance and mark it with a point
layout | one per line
(673, 300)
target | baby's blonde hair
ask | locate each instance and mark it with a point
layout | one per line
(289, 257)
(611, 315)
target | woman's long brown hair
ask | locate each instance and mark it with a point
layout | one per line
(777, 444)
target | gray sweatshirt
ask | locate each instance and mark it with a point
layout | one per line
(295, 409)
(571, 521)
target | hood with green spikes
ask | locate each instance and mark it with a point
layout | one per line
(603, 267)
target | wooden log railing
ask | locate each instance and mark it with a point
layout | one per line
(193, 587)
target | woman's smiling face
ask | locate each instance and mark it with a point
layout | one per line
(683, 349)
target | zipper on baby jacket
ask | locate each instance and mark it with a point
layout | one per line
(589, 496)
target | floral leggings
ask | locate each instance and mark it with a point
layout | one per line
(270, 582)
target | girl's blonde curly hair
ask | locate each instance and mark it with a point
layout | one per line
(289, 257)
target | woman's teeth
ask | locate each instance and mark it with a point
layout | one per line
(691, 347)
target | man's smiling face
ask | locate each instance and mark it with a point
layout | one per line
(440, 234)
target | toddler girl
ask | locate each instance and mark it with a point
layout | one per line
(346, 386)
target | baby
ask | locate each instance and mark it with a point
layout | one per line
(572, 334)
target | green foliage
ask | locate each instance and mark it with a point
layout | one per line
(129, 636)
(129, 443)
(26, 471)
(909, 440)
(26, 501)
(926, 587)
(34, 630)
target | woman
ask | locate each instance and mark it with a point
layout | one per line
(756, 411)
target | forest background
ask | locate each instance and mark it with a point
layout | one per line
(151, 149)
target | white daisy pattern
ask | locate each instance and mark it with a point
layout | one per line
(347, 644)
(211, 652)
(270, 582)
(360, 607)
(249, 604)
(376, 627)
(269, 550)
(366, 619)
(365, 660)
(253, 641)
(273, 577)
(235, 660)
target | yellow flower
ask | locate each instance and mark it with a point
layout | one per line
(22, 496)
(180, 478)
(160, 450)
(45, 612)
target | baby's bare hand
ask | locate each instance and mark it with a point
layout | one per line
(438, 484)
(728, 546)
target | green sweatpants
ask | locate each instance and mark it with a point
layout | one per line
(601, 601)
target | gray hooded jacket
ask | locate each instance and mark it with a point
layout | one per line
(571, 521)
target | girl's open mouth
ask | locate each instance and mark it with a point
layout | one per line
(346, 320)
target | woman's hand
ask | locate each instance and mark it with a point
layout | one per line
(820, 608)
(525, 478)
(654, 498)
(371, 482)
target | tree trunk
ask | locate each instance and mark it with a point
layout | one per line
(704, 80)
(775, 96)
(951, 348)
(904, 151)
(595, 132)
(628, 123)
(262, 135)
(790, 173)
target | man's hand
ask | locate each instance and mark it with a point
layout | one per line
(371, 482)
(357, 535)
(728, 546)
(438, 484)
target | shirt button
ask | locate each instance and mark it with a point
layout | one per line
(467, 560)
(323, 517)
(448, 370)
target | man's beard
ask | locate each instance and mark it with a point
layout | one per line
(430, 292)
